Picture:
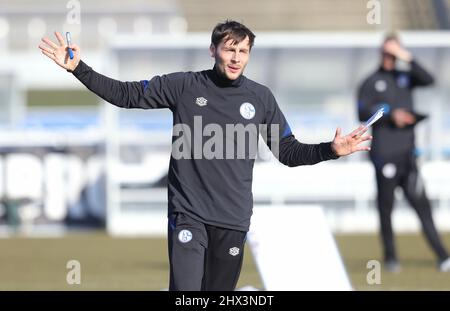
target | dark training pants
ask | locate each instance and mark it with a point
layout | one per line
(404, 173)
(203, 257)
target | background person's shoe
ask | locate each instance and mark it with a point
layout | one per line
(444, 266)
(392, 266)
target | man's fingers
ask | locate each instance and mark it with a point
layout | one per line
(49, 55)
(365, 138)
(60, 38)
(45, 48)
(359, 131)
(363, 130)
(338, 132)
(355, 132)
(49, 42)
(360, 148)
(363, 148)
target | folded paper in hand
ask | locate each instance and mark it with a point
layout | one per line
(376, 116)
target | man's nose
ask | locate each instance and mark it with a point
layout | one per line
(235, 58)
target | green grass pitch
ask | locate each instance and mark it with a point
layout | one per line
(109, 263)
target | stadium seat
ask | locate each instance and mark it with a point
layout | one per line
(55, 207)
(24, 187)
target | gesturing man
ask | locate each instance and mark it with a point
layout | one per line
(209, 195)
(393, 152)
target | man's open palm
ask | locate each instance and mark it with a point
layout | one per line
(59, 52)
(345, 145)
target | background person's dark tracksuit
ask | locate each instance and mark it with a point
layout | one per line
(209, 200)
(393, 151)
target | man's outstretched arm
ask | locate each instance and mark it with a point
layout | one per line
(294, 153)
(160, 92)
(291, 152)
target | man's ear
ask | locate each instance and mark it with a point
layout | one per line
(212, 50)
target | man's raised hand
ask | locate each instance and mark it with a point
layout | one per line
(345, 145)
(59, 53)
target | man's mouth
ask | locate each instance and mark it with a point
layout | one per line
(233, 69)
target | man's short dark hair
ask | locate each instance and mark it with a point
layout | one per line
(391, 37)
(231, 30)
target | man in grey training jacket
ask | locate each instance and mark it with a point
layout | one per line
(210, 173)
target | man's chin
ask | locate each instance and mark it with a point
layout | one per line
(233, 76)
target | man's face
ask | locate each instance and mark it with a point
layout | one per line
(231, 59)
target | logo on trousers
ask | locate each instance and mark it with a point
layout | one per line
(185, 236)
(234, 251)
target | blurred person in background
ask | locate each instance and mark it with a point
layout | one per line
(209, 199)
(393, 151)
